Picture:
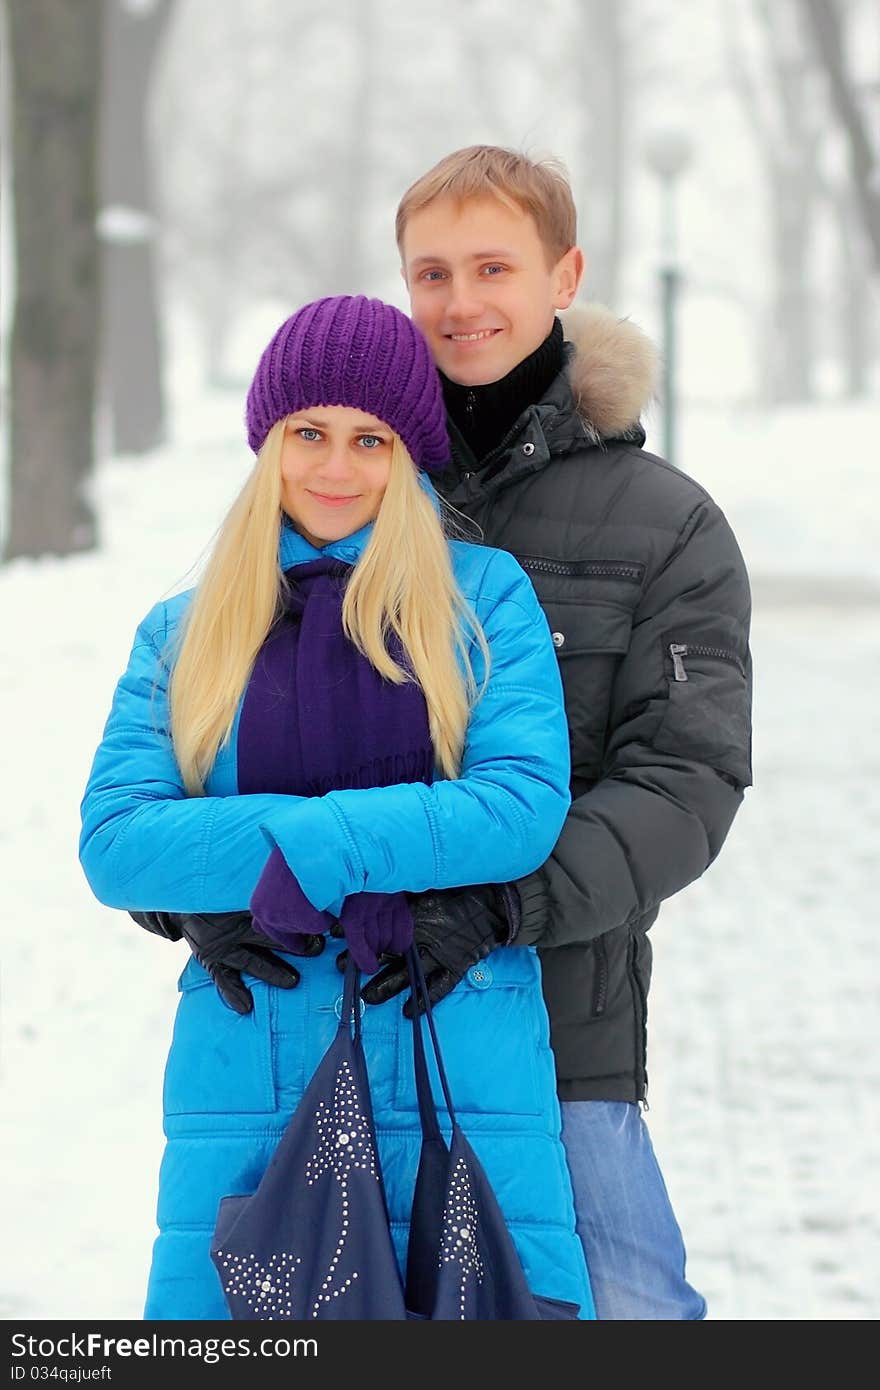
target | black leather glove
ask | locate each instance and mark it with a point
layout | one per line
(453, 929)
(227, 944)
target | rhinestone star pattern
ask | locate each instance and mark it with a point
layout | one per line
(458, 1245)
(265, 1289)
(345, 1142)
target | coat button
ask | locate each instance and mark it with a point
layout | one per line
(528, 450)
(480, 976)
(559, 639)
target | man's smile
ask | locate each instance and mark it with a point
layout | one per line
(480, 336)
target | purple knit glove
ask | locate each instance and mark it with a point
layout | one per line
(376, 924)
(282, 911)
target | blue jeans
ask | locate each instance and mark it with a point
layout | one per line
(634, 1248)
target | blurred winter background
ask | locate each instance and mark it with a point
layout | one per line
(178, 175)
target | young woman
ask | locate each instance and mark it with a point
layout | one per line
(349, 707)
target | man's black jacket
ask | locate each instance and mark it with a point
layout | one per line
(648, 600)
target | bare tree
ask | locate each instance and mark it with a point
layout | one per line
(55, 60)
(345, 270)
(777, 92)
(826, 24)
(268, 200)
(600, 32)
(131, 347)
(854, 305)
(212, 207)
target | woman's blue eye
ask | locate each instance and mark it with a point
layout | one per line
(371, 441)
(309, 434)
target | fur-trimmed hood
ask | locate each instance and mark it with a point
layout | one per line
(614, 372)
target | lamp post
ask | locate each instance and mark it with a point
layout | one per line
(667, 153)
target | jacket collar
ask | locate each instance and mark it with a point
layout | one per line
(609, 377)
(613, 371)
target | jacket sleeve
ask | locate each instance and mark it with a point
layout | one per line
(145, 845)
(498, 820)
(678, 751)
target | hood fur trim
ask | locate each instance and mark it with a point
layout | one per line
(615, 373)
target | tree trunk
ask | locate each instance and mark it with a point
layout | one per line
(776, 101)
(824, 19)
(345, 271)
(130, 330)
(855, 300)
(791, 353)
(55, 61)
(601, 201)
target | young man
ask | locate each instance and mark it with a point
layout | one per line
(648, 600)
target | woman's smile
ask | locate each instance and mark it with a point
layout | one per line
(332, 499)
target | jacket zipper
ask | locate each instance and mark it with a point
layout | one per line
(641, 1040)
(679, 650)
(600, 986)
(470, 401)
(597, 569)
(487, 464)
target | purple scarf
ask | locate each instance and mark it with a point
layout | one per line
(317, 717)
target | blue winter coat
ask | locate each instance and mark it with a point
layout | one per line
(232, 1081)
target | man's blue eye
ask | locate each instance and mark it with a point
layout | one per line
(491, 269)
(432, 275)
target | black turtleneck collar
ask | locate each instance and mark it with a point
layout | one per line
(484, 414)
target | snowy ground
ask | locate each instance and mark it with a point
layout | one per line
(764, 1060)
(765, 1055)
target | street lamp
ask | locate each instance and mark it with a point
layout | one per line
(667, 153)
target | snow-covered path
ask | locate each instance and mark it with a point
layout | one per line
(765, 1065)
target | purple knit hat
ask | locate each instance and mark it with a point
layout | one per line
(357, 352)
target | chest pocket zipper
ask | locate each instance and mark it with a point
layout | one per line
(588, 603)
(578, 569)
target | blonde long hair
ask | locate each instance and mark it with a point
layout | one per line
(403, 583)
